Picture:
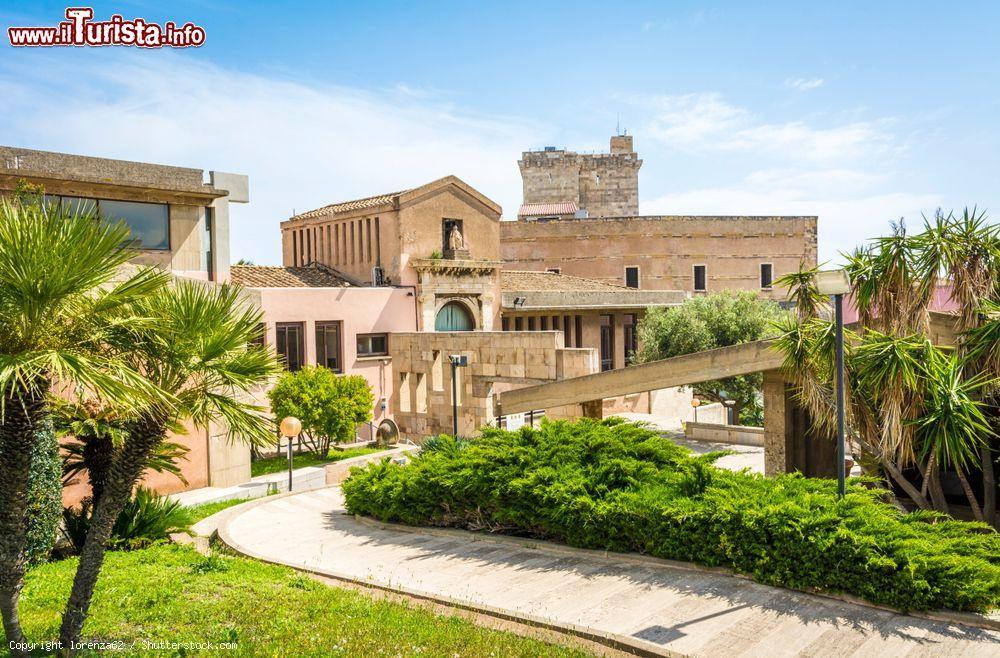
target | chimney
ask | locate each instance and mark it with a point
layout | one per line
(621, 144)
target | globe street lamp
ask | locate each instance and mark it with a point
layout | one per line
(457, 361)
(695, 403)
(290, 427)
(837, 283)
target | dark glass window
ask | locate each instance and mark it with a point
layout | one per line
(607, 343)
(328, 345)
(545, 323)
(373, 344)
(505, 322)
(632, 277)
(289, 344)
(531, 324)
(258, 338)
(518, 324)
(631, 337)
(579, 331)
(206, 243)
(699, 277)
(149, 222)
(766, 275)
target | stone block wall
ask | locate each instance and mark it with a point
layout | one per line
(422, 399)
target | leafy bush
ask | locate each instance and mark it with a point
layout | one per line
(146, 519)
(616, 486)
(44, 496)
(330, 406)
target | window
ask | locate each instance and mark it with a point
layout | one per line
(545, 323)
(206, 243)
(289, 344)
(578, 333)
(148, 222)
(554, 270)
(699, 278)
(632, 277)
(607, 343)
(258, 337)
(373, 344)
(505, 321)
(567, 331)
(295, 246)
(631, 337)
(518, 324)
(766, 275)
(531, 324)
(328, 345)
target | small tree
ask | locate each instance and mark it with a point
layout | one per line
(705, 323)
(330, 406)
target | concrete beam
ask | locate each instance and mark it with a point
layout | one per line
(678, 371)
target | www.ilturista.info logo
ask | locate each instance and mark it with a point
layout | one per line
(81, 30)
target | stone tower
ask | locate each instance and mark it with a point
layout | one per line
(600, 184)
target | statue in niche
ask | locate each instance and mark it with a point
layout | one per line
(455, 240)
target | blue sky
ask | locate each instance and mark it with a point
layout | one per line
(860, 113)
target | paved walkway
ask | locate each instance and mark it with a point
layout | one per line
(646, 603)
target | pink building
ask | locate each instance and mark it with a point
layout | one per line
(314, 315)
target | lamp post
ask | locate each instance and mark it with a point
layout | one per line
(695, 403)
(290, 427)
(837, 283)
(457, 361)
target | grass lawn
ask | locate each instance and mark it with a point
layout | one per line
(280, 463)
(172, 593)
(205, 510)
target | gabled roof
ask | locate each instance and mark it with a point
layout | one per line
(524, 281)
(395, 199)
(309, 276)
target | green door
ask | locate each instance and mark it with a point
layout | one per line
(453, 317)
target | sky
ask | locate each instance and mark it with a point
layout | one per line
(860, 113)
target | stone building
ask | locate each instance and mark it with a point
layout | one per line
(580, 217)
(586, 184)
(181, 224)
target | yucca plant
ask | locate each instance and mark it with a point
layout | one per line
(914, 404)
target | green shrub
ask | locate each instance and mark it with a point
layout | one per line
(146, 519)
(616, 486)
(330, 406)
(44, 496)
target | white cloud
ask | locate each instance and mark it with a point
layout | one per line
(804, 84)
(303, 145)
(706, 122)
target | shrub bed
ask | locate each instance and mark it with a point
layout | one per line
(616, 486)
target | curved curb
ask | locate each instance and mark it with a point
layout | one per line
(974, 620)
(610, 640)
(971, 619)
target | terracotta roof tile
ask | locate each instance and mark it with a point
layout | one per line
(348, 206)
(266, 276)
(521, 281)
(534, 209)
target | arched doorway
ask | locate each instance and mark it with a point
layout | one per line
(453, 316)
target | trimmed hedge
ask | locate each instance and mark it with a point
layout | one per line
(617, 486)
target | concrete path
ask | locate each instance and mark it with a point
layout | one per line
(639, 602)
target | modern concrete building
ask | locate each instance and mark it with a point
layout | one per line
(580, 217)
(180, 217)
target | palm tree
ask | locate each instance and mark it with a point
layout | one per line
(61, 292)
(196, 347)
